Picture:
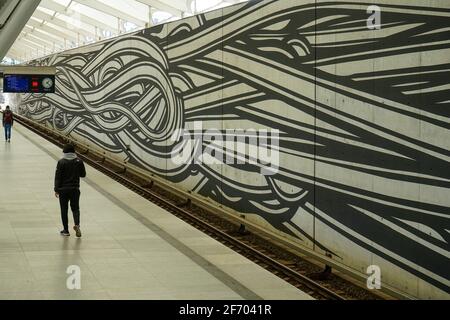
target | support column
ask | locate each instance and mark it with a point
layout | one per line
(15, 23)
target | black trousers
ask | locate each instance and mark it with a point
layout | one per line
(72, 196)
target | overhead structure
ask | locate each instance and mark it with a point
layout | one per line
(57, 25)
(26, 79)
(14, 14)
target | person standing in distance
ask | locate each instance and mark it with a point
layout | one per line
(8, 120)
(67, 187)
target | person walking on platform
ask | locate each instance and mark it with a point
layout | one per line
(67, 187)
(8, 120)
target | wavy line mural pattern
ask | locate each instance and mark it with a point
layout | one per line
(363, 117)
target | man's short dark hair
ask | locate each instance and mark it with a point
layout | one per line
(7, 107)
(69, 148)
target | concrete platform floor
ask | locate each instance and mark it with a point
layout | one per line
(130, 249)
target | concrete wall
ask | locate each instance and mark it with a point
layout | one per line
(363, 117)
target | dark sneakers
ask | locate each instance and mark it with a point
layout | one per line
(77, 231)
(66, 233)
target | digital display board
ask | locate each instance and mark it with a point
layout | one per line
(22, 83)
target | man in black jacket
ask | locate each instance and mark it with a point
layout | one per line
(67, 187)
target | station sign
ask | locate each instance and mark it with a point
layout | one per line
(28, 79)
(20, 83)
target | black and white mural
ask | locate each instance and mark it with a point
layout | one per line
(362, 114)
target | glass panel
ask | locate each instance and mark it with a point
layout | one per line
(95, 14)
(63, 2)
(45, 10)
(133, 8)
(160, 16)
(73, 24)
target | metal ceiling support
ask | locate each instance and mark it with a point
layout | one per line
(231, 1)
(41, 35)
(177, 12)
(193, 6)
(27, 35)
(62, 23)
(14, 25)
(44, 47)
(55, 25)
(150, 17)
(48, 28)
(99, 6)
(32, 43)
(23, 46)
(54, 6)
(16, 52)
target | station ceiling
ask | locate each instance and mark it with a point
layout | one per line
(58, 25)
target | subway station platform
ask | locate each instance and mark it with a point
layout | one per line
(130, 248)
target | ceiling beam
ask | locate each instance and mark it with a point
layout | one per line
(41, 50)
(47, 28)
(231, 1)
(54, 6)
(30, 42)
(63, 24)
(35, 38)
(99, 6)
(23, 50)
(39, 34)
(14, 53)
(32, 37)
(25, 47)
(177, 12)
(55, 30)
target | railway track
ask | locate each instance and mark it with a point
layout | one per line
(238, 239)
